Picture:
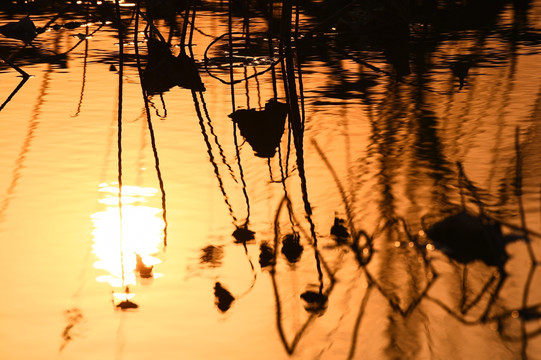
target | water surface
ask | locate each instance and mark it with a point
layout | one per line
(397, 122)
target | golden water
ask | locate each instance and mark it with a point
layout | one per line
(371, 154)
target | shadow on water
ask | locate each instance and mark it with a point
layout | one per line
(425, 235)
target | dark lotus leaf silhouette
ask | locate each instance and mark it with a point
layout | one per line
(266, 255)
(126, 305)
(144, 271)
(315, 301)
(224, 299)
(396, 50)
(262, 129)
(339, 230)
(466, 238)
(23, 30)
(242, 234)
(291, 247)
(73, 25)
(164, 9)
(212, 255)
(106, 12)
(165, 71)
(460, 69)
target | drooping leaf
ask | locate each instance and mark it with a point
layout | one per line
(316, 302)
(23, 30)
(266, 255)
(466, 238)
(126, 305)
(224, 299)
(292, 248)
(262, 129)
(339, 230)
(242, 234)
(165, 71)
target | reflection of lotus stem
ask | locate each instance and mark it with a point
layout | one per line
(119, 136)
(32, 126)
(252, 268)
(298, 136)
(518, 193)
(355, 333)
(340, 188)
(211, 156)
(216, 141)
(85, 58)
(23, 81)
(192, 25)
(151, 130)
(237, 150)
(283, 175)
(18, 69)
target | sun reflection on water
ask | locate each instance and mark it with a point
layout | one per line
(128, 253)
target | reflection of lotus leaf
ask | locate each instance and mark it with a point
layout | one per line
(316, 302)
(262, 129)
(223, 297)
(23, 30)
(126, 305)
(212, 255)
(243, 234)
(144, 271)
(291, 248)
(165, 71)
(339, 230)
(466, 238)
(164, 9)
(460, 69)
(266, 256)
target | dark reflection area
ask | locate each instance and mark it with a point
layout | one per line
(212, 255)
(266, 255)
(262, 129)
(316, 302)
(313, 297)
(224, 298)
(406, 223)
(339, 230)
(74, 317)
(23, 30)
(166, 10)
(468, 240)
(402, 30)
(144, 271)
(406, 274)
(460, 69)
(243, 235)
(164, 70)
(292, 248)
(126, 305)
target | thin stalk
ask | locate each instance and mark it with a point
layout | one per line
(296, 122)
(235, 137)
(151, 131)
(119, 134)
